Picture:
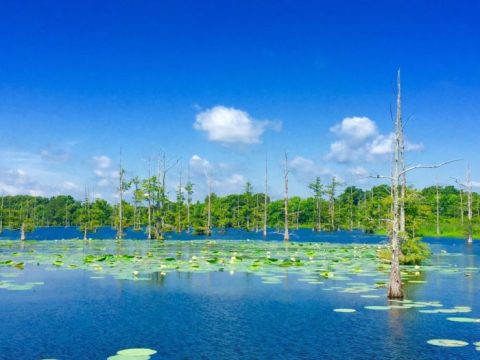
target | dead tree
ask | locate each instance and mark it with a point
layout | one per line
(286, 235)
(468, 186)
(209, 206)
(401, 155)
(121, 188)
(1, 215)
(438, 211)
(265, 200)
(351, 209)
(461, 208)
(179, 203)
(87, 214)
(395, 288)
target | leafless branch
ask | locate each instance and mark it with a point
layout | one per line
(436, 166)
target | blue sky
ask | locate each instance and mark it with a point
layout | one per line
(218, 84)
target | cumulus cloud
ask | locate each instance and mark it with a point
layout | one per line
(360, 140)
(199, 165)
(104, 172)
(19, 182)
(102, 162)
(232, 126)
(224, 179)
(232, 184)
(358, 171)
(305, 169)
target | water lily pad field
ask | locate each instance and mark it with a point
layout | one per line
(234, 299)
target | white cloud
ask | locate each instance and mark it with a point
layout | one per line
(358, 171)
(232, 126)
(232, 184)
(306, 169)
(102, 162)
(360, 140)
(199, 165)
(104, 172)
(17, 182)
(355, 130)
(69, 185)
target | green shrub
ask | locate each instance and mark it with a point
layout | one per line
(414, 251)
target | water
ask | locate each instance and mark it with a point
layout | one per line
(218, 315)
(302, 235)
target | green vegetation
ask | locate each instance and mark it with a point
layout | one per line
(367, 210)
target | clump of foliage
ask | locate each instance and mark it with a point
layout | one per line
(414, 251)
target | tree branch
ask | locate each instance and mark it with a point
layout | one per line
(436, 166)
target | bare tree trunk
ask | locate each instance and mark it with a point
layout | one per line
(438, 211)
(87, 215)
(22, 232)
(120, 203)
(189, 199)
(395, 290)
(238, 211)
(286, 235)
(149, 226)
(209, 210)
(401, 155)
(351, 209)
(66, 214)
(461, 208)
(469, 204)
(1, 216)
(188, 217)
(265, 200)
(319, 211)
(298, 216)
(256, 214)
(180, 203)
(209, 220)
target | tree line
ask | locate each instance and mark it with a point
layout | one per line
(327, 209)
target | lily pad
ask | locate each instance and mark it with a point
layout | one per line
(137, 352)
(447, 342)
(464, 319)
(377, 307)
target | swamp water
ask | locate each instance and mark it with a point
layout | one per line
(321, 296)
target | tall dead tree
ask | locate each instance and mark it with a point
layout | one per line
(179, 203)
(438, 211)
(189, 190)
(164, 167)
(462, 209)
(395, 288)
(401, 154)
(468, 187)
(149, 195)
(209, 205)
(265, 200)
(331, 191)
(317, 189)
(86, 220)
(298, 216)
(286, 235)
(1, 215)
(256, 215)
(351, 209)
(121, 188)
